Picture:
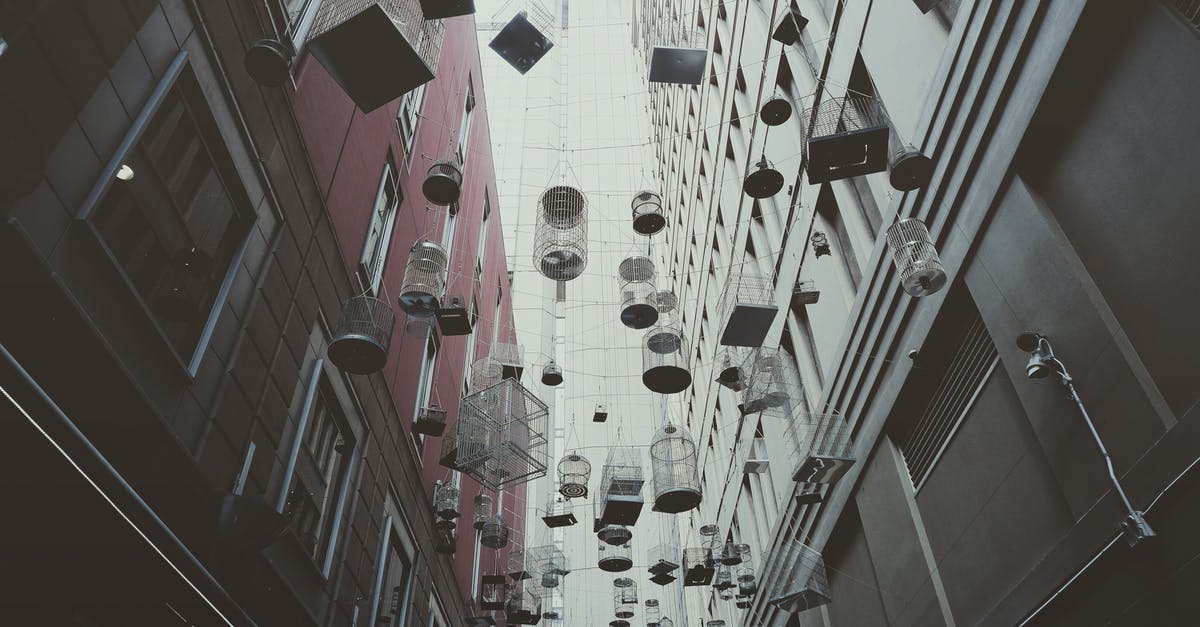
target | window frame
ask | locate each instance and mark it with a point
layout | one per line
(295, 32)
(468, 118)
(395, 532)
(425, 381)
(370, 275)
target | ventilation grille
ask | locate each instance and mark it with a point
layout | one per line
(1189, 10)
(965, 373)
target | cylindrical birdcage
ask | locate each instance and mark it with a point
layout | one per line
(667, 301)
(639, 305)
(724, 578)
(550, 580)
(443, 183)
(424, 279)
(637, 268)
(363, 335)
(446, 501)
(483, 510)
(665, 361)
(651, 612)
(729, 368)
(676, 484)
(625, 597)
(560, 246)
(648, 215)
(615, 534)
(763, 180)
(916, 258)
(615, 558)
(485, 373)
(494, 534)
(574, 470)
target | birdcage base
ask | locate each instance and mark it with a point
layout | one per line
(560, 520)
(926, 278)
(667, 379)
(356, 51)
(910, 170)
(678, 500)
(699, 576)
(615, 564)
(357, 353)
(268, 62)
(731, 378)
(573, 490)
(663, 579)
(763, 183)
(562, 265)
(419, 304)
(775, 112)
(748, 324)
(621, 510)
(799, 601)
(640, 316)
(615, 535)
(846, 155)
(439, 9)
(822, 469)
(521, 44)
(682, 66)
(649, 224)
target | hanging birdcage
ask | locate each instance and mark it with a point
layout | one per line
(516, 565)
(614, 534)
(664, 559)
(524, 606)
(916, 258)
(494, 534)
(676, 483)
(443, 183)
(625, 598)
(667, 301)
(620, 500)
(511, 358)
(492, 592)
(772, 383)
(445, 542)
(797, 580)
(560, 240)
(775, 111)
(730, 555)
(430, 420)
(552, 374)
(665, 361)
(525, 39)
(503, 441)
(446, 501)
(648, 215)
(363, 335)
(424, 279)
(848, 138)
(680, 58)
(748, 308)
(723, 579)
(697, 566)
(729, 368)
(485, 373)
(651, 612)
(763, 180)
(574, 470)
(483, 510)
(824, 449)
(614, 558)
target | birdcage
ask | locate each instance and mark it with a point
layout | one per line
(772, 383)
(667, 301)
(366, 46)
(676, 484)
(664, 559)
(524, 605)
(824, 448)
(511, 358)
(651, 612)
(439, 9)
(620, 500)
(798, 581)
(525, 39)
(697, 566)
(560, 239)
(729, 368)
(639, 307)
(680, 58)
(446, 501)
(916, 258)
(485, 373)
(625, 598)
(723, 578)
(493, 591)
(748, 308)
(763, 180)
(443, 183)
(848, 138)
(430, 420)
(445, 542)
(648, 215)
(494, 534)
(363, 335)
(483, 510)
(424, 279)
(614, 558)
(516, 565)
(805, 293)
(775, 111)
(665, 360)
(614, 534)
(574, 470)
(465, 445)
(512, 423)
(730, 555)
(552, 374)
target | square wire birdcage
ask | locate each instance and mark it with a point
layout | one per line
(511, 358)
(823, 446)
(772, 383)
(848, 137)
(502, 438)
(540, 560)
(748, 309)
(797, 578)
(620, 499)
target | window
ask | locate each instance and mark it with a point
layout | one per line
(464, 133)
(481, 246)
(177, 227)
(425, 383)
(379, 231)
(406, 118)
(449, 227)
(292, 19)
(391, 601)
(322, 463)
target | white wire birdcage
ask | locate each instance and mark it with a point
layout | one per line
(560, 238)
(916, 258)
(424, 279)
(665, 360)
(363, 335)
(620, 499)
(500, 439)
(648, 215)
(524, 605)
(664, 558)
(796, 579)
(823, 448)
(483, 510)
(485, 372)
(625, 597)
(614, 558)
(574, 471)
(446, 501)
(673, 463)
(748, 309)
(772, 383)
(848, 137)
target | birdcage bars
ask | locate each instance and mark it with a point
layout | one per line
(574, 471)
(772, 383)
(560, 246)
(492, 592)
(620, 500)
(363, 335)
(916, 258)
(798, 581)
(748, 308)
(483, 510)
(524, 606)
(848, 137)
(424, 279)
(824, 448)
(614, 558)
(697, 566)
(625, 597)
(665, 360)
(446, 501)
(485, 373)
(494, 534)
(676, 482)
(648, 215)
(651, 612)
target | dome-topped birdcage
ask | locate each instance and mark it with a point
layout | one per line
(424, 279)
(446, 501)
(639, 303)
(443, 183)
(665, 360)
(574, 470)
(363, 335)
(625, 598)
(763, 180)
(916, 258)
(729, 368)
(560, 240)
(648, 215)
(615, 558)
(614, 534)
(483, 510)
(552, 374)
(494, 534)
(676, 484)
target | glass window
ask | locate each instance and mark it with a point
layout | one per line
(464, 133)
(321, 466)
(425, 383)
(288, 15)
(394, 590)
(406, 118)
(379, 231)
(170, 219)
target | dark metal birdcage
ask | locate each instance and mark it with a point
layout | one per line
(443, 183)
(648, 215)
(748, 309)
(494, 534)
(665, 360)
(674, 460)
(848, 137)
(424, 279)
(560, 238)
(363, 335)
(574, 471)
